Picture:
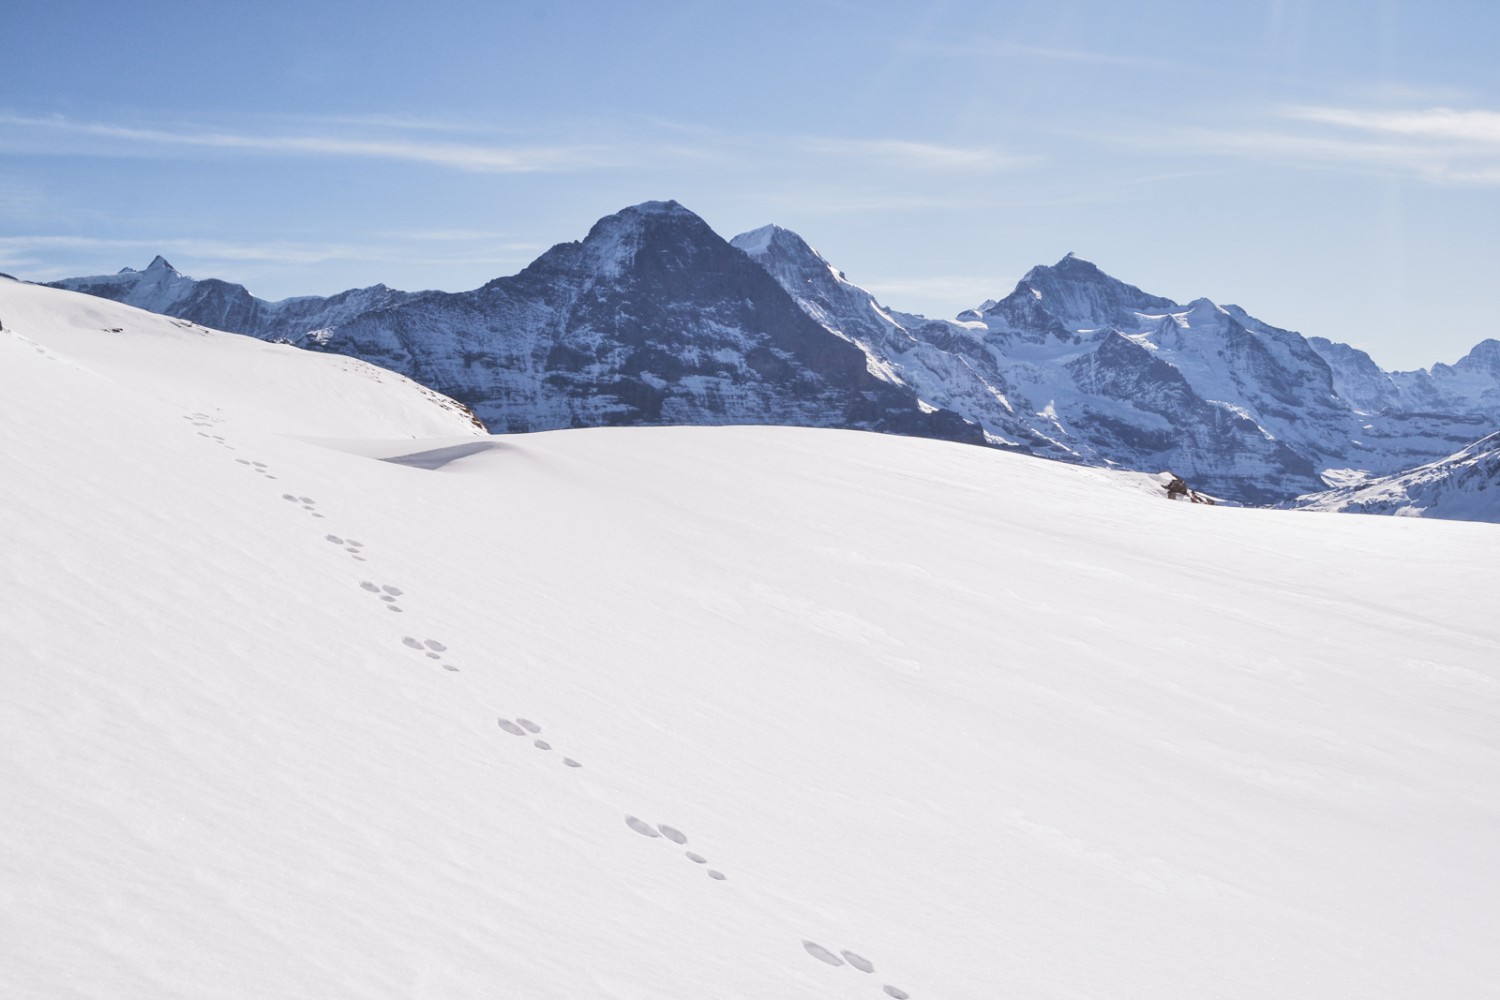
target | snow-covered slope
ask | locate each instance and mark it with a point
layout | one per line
(272, 387)
(985, 725)
(1464, 486)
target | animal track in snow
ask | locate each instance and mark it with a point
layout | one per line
(677, 837)
(855, 960)
(430, 648)
(821, 953)
(525, 727)
(349, 545)
(260, 467)
(641, 827)
(388, 595)
(307, 503)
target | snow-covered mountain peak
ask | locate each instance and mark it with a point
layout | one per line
(668, 207)
(777, 247)
(1201, 312)
(160, 263)
(1484, 357)
(757, 241)
(1080, 296)
(673, 232)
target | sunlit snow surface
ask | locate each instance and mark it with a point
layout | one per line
(987, 725)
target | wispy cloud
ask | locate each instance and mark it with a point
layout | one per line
(1482, 127)
(916, 154)
(25, 248)
(460, 156)
(37, 254)
(460, 236)
(1436, 145)
(1044, 53)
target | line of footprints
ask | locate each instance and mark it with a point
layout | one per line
(822, 954)
(524, 728)
(432, 649)
(205, 422)
(859, 962)
(677, 837)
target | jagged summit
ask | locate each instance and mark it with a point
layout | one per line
(664, 217)
(1082, 297)
(668, 207)
(757, 241)
(1485, 354)
(774, 239)
(649, 213)
(158, 263)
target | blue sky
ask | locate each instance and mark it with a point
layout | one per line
(1333, 167)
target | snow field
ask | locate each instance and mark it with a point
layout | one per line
(990, 725)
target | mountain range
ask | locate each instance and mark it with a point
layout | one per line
(653, 318)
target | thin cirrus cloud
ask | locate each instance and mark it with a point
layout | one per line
(918, 154)
(1481, 127)
(460, 156)
(1436, 145)
(996, 48)
(35, 253)
(25, 248)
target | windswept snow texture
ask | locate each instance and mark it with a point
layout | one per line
(1462, 487)
(679, 713)
(290, 391)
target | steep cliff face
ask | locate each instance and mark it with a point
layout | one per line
(651, 319)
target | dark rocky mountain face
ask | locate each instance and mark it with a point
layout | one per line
(651, 319)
